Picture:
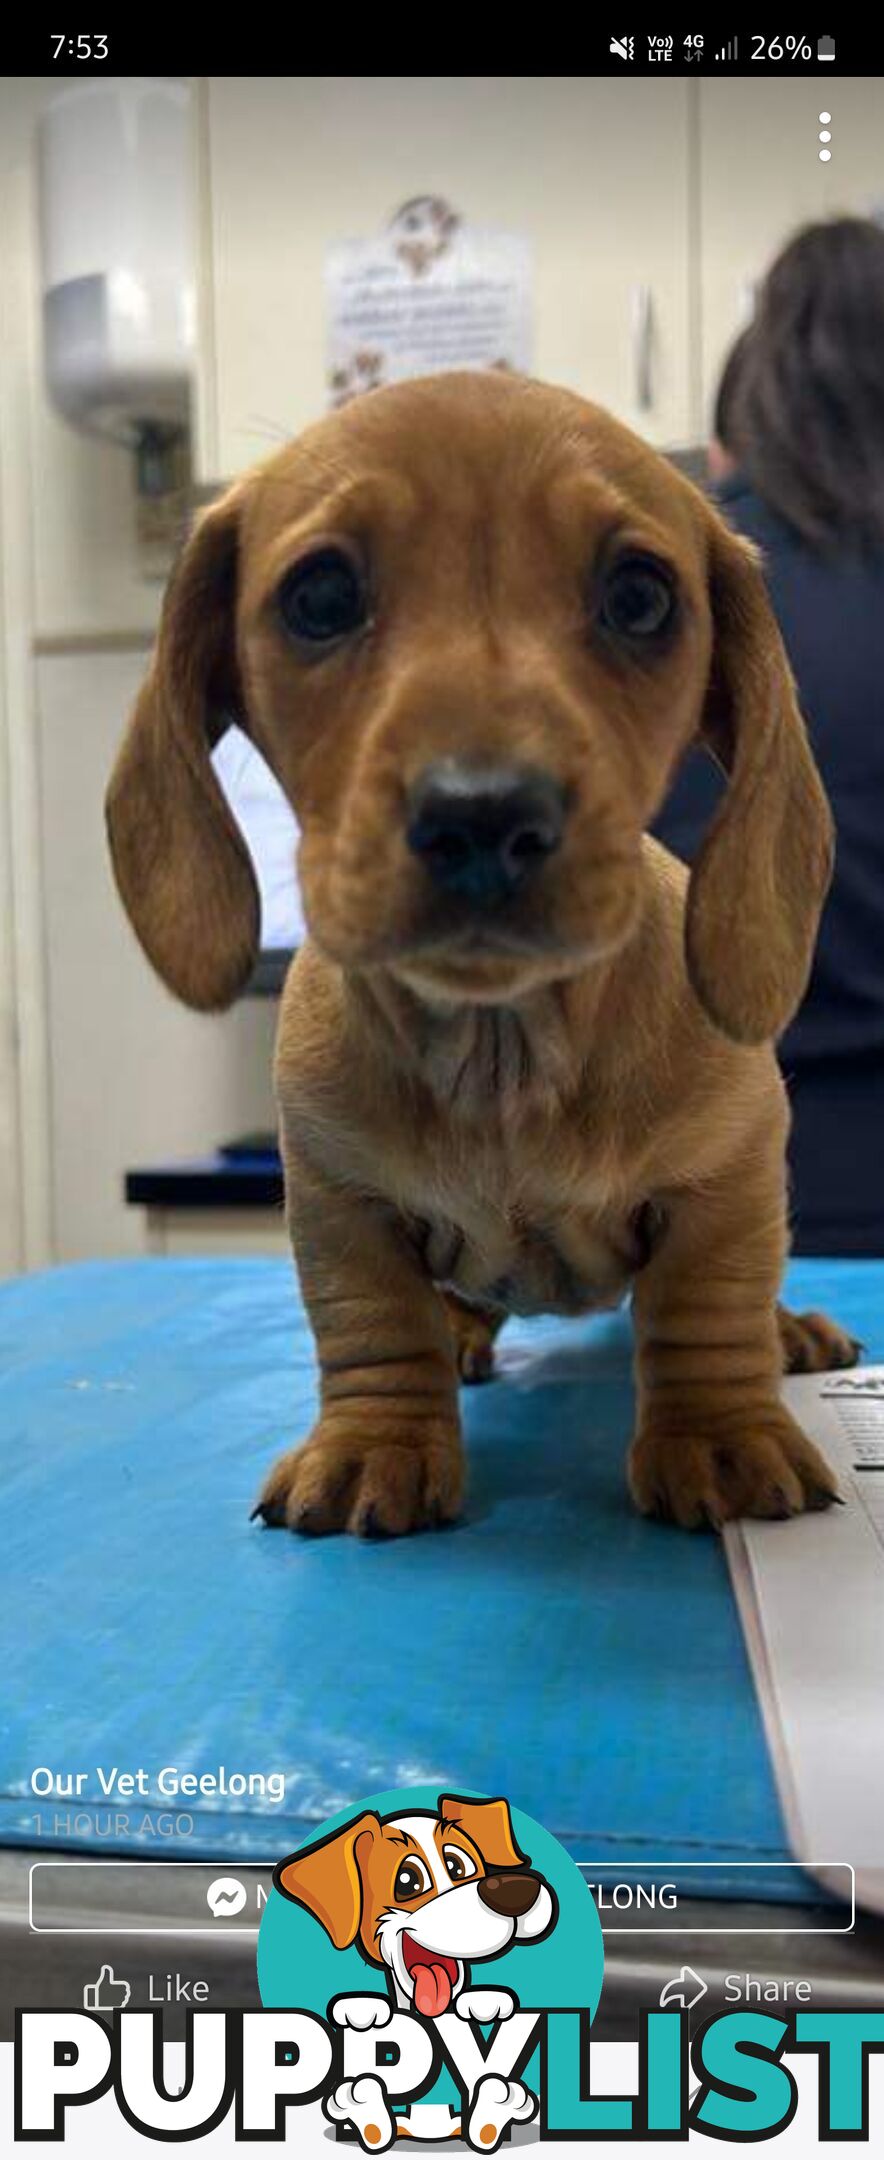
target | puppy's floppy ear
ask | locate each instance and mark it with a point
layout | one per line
(181, 865)
(761, 877)
(489, 1824)
(327, 1880)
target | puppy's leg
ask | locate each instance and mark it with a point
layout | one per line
(713, 1440)
(474, 1329)
(812, 1343)
(385, 1455)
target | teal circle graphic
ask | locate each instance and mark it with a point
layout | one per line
(299, 1967)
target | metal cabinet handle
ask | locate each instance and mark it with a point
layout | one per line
(747, 297)
(643, 347)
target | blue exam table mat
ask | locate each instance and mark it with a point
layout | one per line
(555, 1647)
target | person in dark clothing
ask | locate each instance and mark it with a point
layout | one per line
(800, 428)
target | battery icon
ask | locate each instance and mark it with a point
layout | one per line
(825, 48)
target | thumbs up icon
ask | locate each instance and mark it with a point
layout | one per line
(107, 1992)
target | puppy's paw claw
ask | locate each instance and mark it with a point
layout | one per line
(764, 1466)
(375, 1488)
(813, 1343)
(475, 1363)
(474, 1332)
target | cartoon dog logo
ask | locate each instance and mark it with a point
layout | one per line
(426, 1897)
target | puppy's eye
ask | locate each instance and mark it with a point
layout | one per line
(323, 598)
(459, 1864)
(638, 600)
(412, 1880)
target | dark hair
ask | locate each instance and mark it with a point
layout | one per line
(726, 394)
(804, 402)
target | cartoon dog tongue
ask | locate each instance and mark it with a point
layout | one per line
(432, 1990)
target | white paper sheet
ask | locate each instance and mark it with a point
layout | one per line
(811, 1599)
(428, 294)
(271, 835)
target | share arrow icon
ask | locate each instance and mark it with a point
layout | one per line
(685, 1990)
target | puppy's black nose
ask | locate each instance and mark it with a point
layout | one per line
(482, 831)
(510, 1894)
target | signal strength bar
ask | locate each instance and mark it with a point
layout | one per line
(728, 51)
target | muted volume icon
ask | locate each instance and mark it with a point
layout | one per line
(624, 47)
(825, 48)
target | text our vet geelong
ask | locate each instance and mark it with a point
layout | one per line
(169, 1783)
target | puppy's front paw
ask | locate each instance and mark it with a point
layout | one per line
(812, 1342)
(360, 1479)
(757, 1463)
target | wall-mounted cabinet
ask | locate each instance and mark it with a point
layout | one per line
(651, 206)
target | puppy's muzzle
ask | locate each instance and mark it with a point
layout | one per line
(482, 832)
(510, 1895)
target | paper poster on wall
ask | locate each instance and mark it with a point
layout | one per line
(428, 294)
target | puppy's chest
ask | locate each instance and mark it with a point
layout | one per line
(502, 1202)
(540, 1258)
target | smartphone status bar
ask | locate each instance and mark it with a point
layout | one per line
(142, 48)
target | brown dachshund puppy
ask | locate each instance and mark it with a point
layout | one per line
(523, 1061)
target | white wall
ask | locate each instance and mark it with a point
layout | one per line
(135, 1078)
(24, 1181)
(594, 175)
(10, 1138)
(99, 1069)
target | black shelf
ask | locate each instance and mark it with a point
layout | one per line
(209, 1181)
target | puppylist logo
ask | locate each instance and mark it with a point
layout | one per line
(435, 1899)
(430, 1966)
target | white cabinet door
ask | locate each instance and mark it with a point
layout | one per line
(760, 177)
(595, 175)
